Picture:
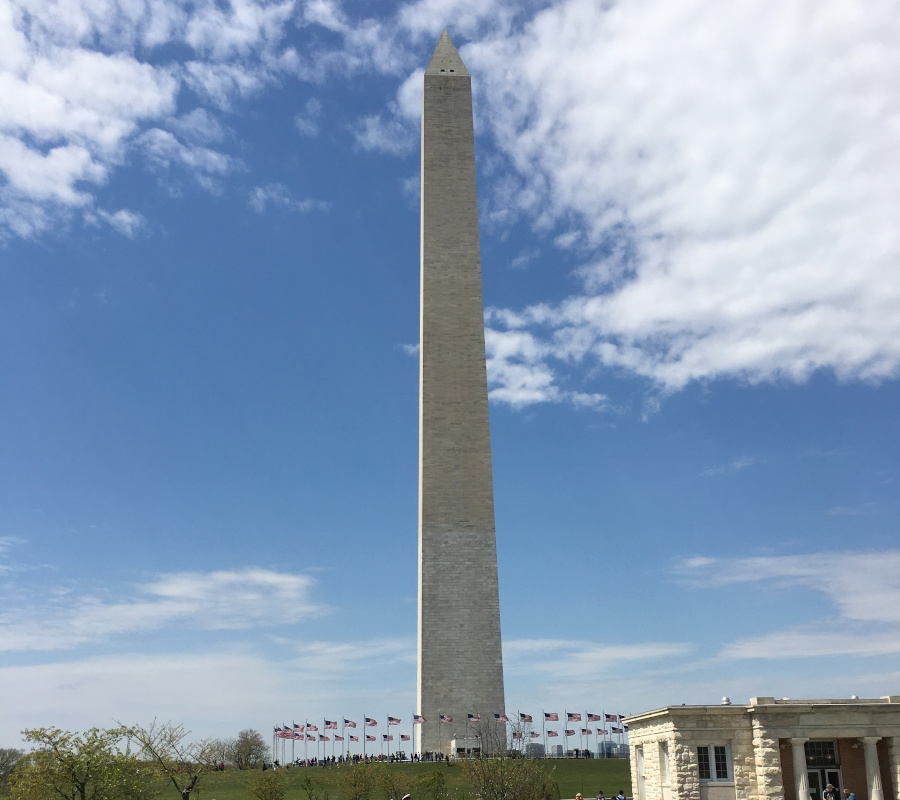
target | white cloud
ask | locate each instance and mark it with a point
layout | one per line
(735, 465)
(221, 600)
(384, 134)
(308, 124)
(126, 222)
(864, 588)
(564, 659)
(279, 195)
(733, 161)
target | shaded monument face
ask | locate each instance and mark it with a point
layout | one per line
(460, 667)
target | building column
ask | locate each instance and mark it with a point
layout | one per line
(801, 779)
(873, 773)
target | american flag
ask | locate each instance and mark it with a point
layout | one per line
(298, 727)
(298, 736)
(338, 738)
(418, 719)
(312, 727)
(388, 737)
(585, 731)
(310, 737)
(617, 730)
(473, 717)
(525, 717)
(517, 735)
(625, 726)
(404, 737)
(446, 718)
(535, 735)
(594, 718)
(603, 732)
(552, 733)
(611, 717)
(349, 723)
(371, 723)
(354, 738)
(551, 716)
(370, 738)
(330, 725)
(323, 738)
(570, 717)
(570, 732)
(501, 718)
(393, 720)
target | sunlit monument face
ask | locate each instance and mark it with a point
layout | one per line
(460, 667)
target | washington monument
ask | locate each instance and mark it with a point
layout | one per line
(460, 665)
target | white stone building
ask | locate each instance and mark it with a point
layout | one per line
(770, 749)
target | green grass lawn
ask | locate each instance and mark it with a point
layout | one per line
(571, 775)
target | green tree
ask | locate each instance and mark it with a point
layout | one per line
(248, 750)
(72, 766)
(178, 760)
(392, 782)
(356, 781)
(267, 784)
(9, 756)
(434, 785)
(506, 778)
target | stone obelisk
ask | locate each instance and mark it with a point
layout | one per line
(460, 665)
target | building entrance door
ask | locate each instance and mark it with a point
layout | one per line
(820, 778)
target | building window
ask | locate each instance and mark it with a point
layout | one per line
(714, 762)
(664, 763)
(821, 754)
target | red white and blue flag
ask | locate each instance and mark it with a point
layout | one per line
(552, 733)
(611, 717)
(393, 720)
(404, 737)
(349, 723)
(370, 738)
(585, 731)
(617, 730)
(535, 735)
(330, 725)
(312, 727)
(570, 717)
(418, 719)
(338, 738)
(446, 718)
(388, 737)
(594, 718)
(298, 728)
(354, 738)
(603, 732)
(570, 732)
(323, 738)
(501, 718)
(371, 723)
(551, 716)
(310, 737)
(525, 717)
(517, 735)
(473, 717)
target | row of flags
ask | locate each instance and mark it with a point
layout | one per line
(305, 732)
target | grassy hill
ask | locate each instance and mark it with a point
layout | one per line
(572, 775)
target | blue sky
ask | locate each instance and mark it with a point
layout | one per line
(208, 320)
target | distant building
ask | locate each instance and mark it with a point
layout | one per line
(770, 749)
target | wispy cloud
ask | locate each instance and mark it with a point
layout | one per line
(279, 196)
(209, 601)
(580, 659)
(735, 465)
(863, 587)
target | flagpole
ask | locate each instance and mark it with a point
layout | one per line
(544, 731)
(364, 736)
